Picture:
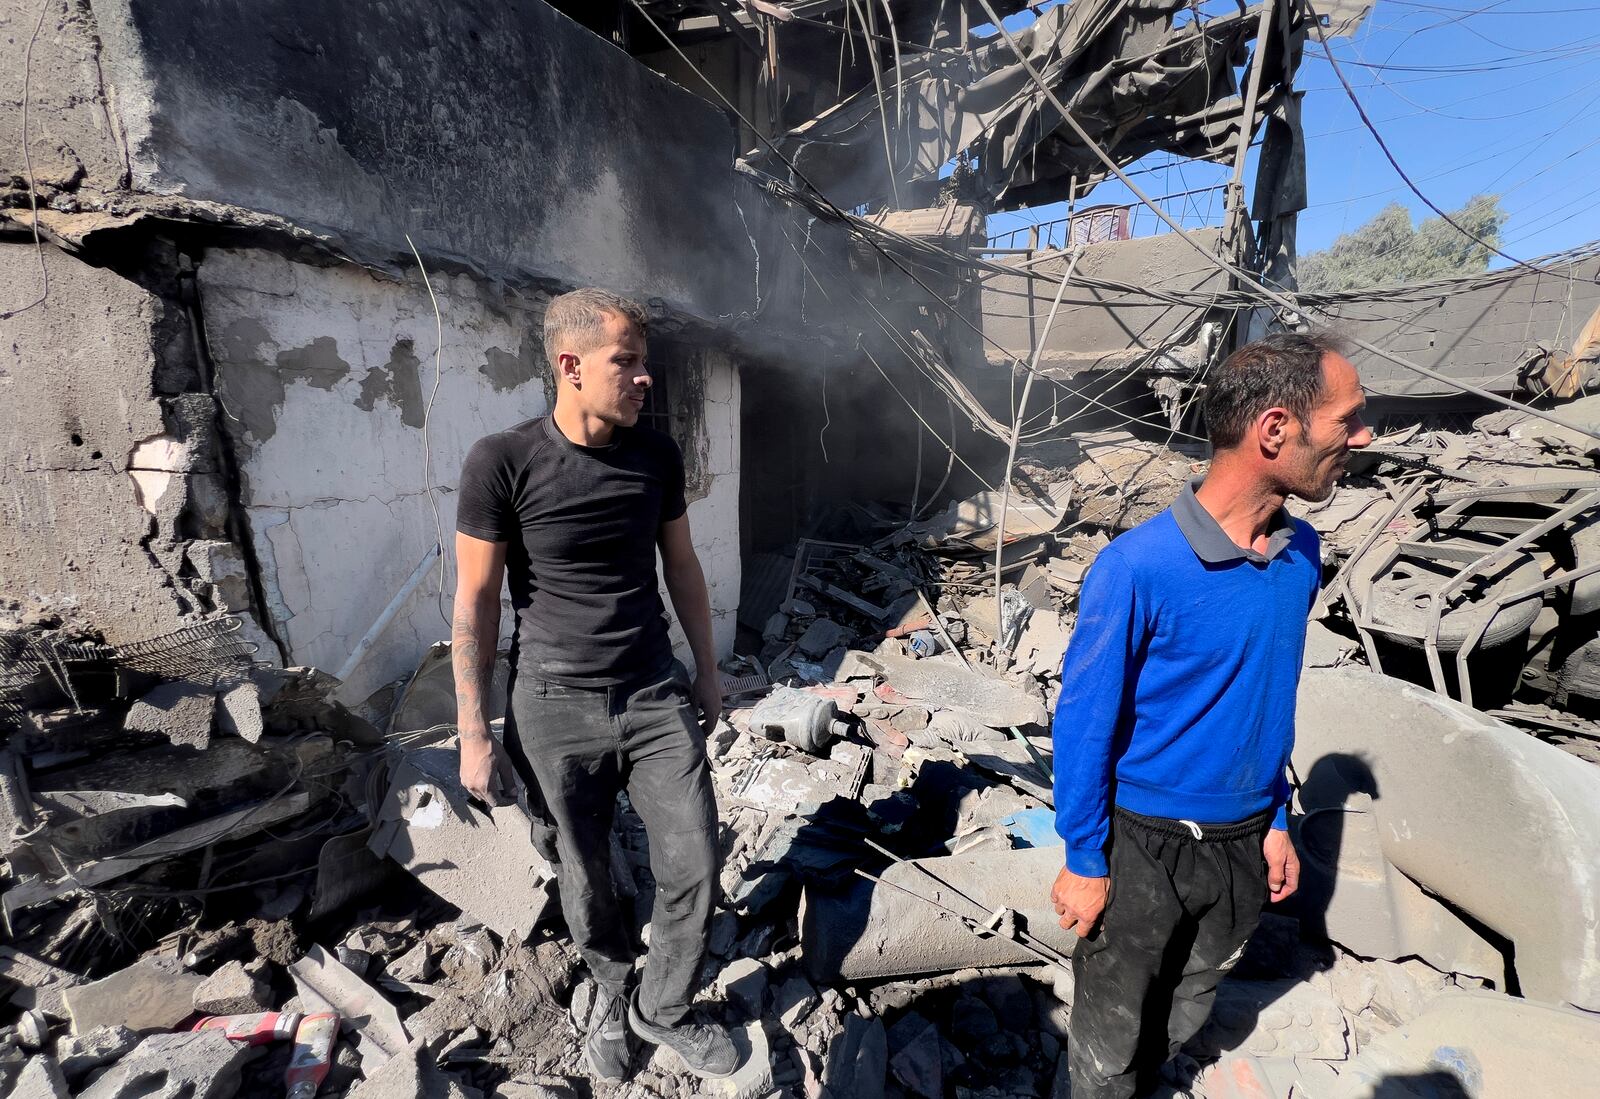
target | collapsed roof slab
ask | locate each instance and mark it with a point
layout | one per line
(1477, 331)
(1104, 329)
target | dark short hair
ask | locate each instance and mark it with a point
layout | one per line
(576, 320)
(1284, 370)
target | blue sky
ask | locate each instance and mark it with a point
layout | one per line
(1472, 97)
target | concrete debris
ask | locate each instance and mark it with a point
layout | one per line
(231, 990)
(754, 1076)
(40, 1078)
(744, 983)
(81, 1054)
(200, 1065)
(1382, 764)
(883, 768)
(364, 1013)
(485, 863)
(182, 712)
(922, 919)
(1476, 1044)
(152, 994)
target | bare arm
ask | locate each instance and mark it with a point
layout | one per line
(480, 569)
(686, 585)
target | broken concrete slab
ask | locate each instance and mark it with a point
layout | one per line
(231, 990)
(1479, 1044)
(793, 1001)
(40, 1078)
(483, 863)
(194, 1064)
(753, 1078)
(151, 994)
(182, 712)
(866, 931)
(364, 1014)
(239, 712)
(744, 982)
(988, 700)
(411, 1072)
(917, 1064)
(80, 1054)
(1274, 1019)
(38, 985)
(858, 1061)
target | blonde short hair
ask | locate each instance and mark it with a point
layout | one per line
(576, 321)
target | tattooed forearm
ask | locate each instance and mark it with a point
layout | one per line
(472, 657)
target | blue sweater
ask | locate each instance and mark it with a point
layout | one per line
(1178, 688)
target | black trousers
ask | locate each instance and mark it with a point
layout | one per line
(1179, 913)
(575, 749)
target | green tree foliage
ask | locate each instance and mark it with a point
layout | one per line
(1387, 251)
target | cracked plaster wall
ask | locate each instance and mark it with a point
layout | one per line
(324, 372)
(110, 510)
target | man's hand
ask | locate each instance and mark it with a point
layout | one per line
(1079, 901)
(486, 770)
(708, 698)
(1283, 865)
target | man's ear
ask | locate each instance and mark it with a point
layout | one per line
(567, 367)
(1272, 430)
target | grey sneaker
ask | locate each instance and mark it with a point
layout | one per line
(706, 1048)
(607, 1045)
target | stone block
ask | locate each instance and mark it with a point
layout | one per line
(151, 994)
(794, 1000)
(239, 712)
(484, 864)
(231, 990)
(753, 1078)
(195, 1065)
(40, 1078)
(181, 712)
(81, 1054)
(743, 983)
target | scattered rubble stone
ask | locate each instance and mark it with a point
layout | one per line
(231, 990)
(200, 1065)
(744, 982)
(80, 1054)
(40, 1078)
(152, 994)
(753, 1078)
(181, 712)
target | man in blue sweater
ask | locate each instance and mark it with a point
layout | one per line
(1176, 715)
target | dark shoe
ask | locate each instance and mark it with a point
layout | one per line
(607, 1045)
(705, 1047)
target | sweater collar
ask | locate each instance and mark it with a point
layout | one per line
(1211, 543)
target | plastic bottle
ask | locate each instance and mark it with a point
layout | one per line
(255, 1029)
(313, 1054)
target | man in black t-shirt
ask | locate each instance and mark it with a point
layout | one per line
(570, 510)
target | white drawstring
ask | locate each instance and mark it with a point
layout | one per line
(1194, 828)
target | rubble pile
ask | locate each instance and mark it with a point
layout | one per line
(195, 840)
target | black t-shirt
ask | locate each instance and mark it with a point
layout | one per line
(580, 524)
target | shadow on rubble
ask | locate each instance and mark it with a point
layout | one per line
(1269, 997)
(1420, 1085)
(1335, 786)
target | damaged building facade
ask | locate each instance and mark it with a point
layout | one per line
(270, 270)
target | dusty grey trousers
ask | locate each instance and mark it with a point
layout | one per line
(1180, 911)
(575, 748)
